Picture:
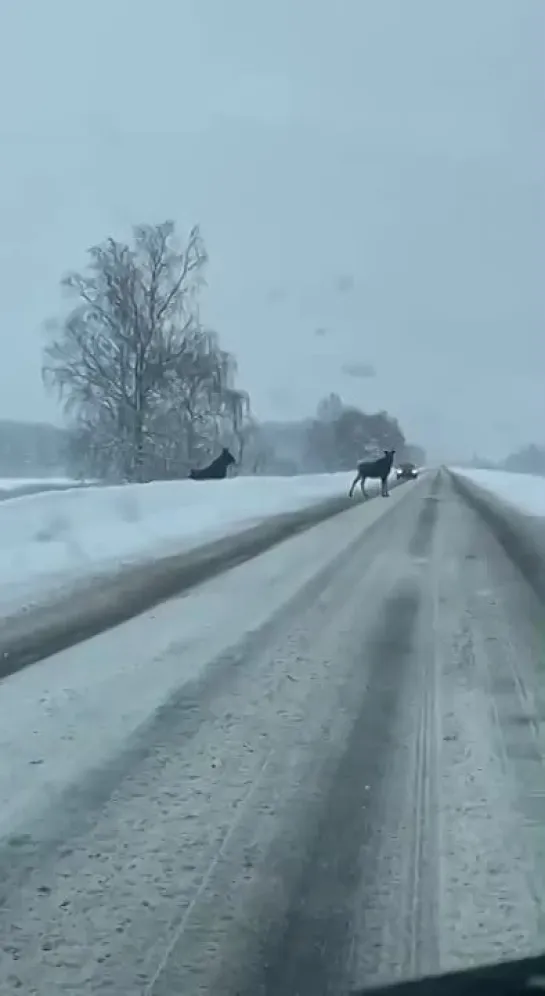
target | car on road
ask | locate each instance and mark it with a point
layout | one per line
(406, 472)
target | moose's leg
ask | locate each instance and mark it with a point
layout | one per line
(363, 491)
(354, 482)
(385, 492)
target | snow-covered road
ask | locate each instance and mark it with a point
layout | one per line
(340, 782)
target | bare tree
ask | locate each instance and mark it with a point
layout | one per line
(198, 408)
(132, 363)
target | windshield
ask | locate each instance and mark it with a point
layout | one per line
(272, 493)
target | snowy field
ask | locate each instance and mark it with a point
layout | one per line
(524, 491)
(57, 538)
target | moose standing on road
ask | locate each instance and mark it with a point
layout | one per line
(376, 470)
(217, 470)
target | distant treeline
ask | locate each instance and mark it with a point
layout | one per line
(32, 449)
(527, 460)
(334, 439)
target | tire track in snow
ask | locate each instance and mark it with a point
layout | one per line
(492, 860)
(343, 810)
(315, 945)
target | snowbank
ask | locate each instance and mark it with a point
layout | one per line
(16, 483)
(523, 491)
(16, 487)
(53, 539)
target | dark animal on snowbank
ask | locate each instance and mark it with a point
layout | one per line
(216, 470)
(376, 470)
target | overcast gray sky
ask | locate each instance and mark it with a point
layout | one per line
(397, 142)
